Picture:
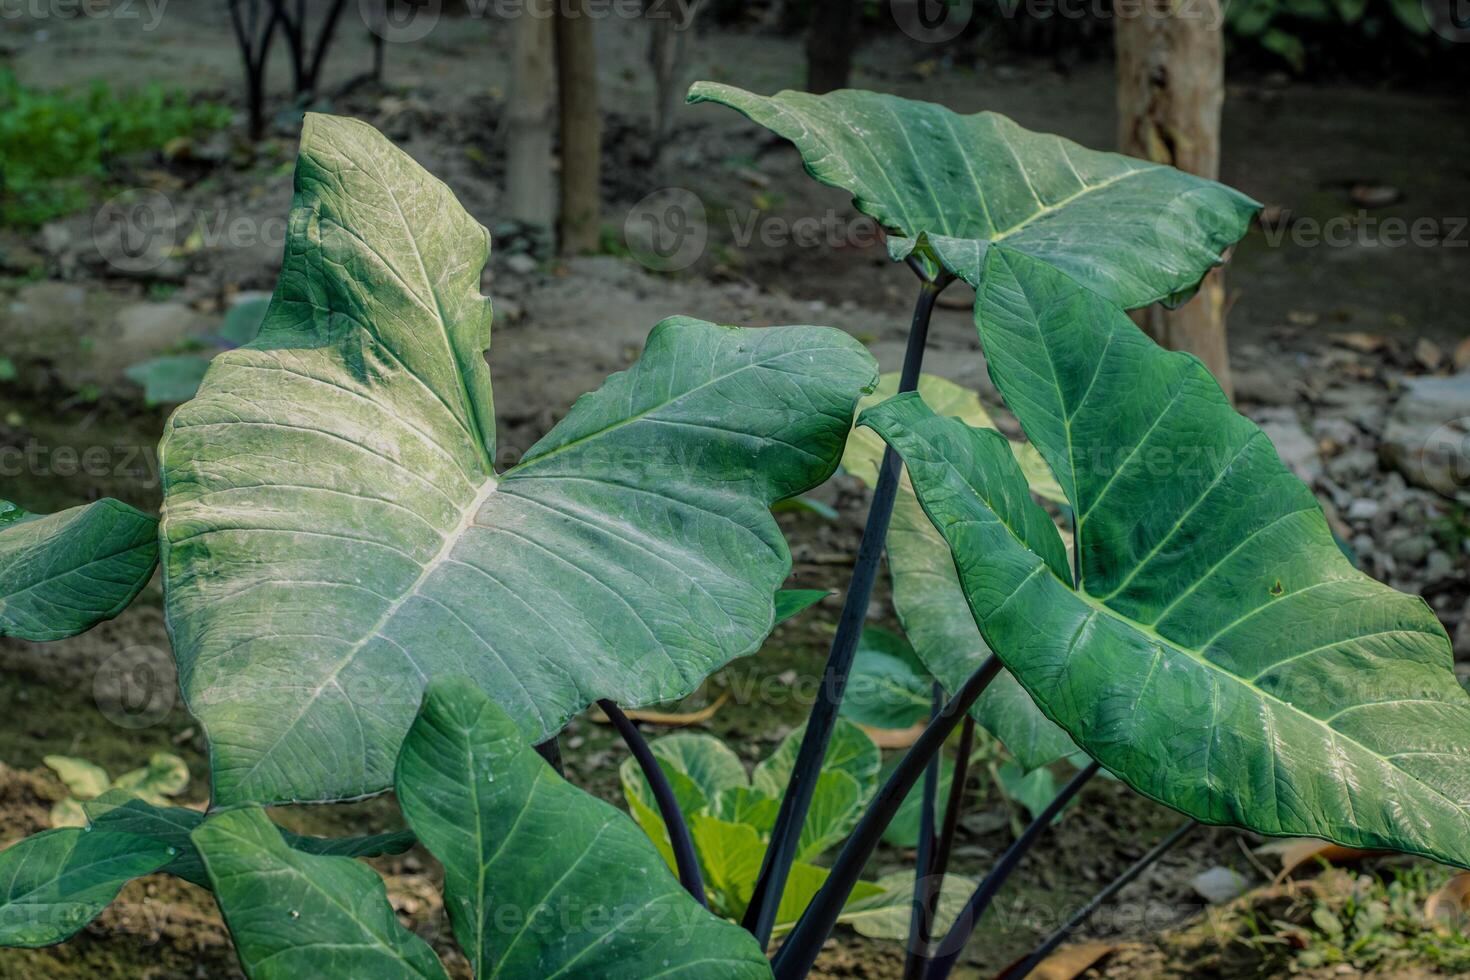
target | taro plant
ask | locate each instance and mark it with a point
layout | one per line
(361, 599)
(729, 814)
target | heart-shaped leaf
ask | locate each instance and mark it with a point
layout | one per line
(1219, 653)
(55, 882)
(926, 590)
(63, 573)
(887, 687)
(850, 750)
(950, 187)
(591, 898)
(335, 533)
(296, 915)
(118, 811)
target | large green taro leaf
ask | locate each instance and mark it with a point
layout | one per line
(542, 879)
(926, 590)
(295, 915)
(63, 573)
(334, 534)
(949, 187)
(1220, 654)
(57, 881)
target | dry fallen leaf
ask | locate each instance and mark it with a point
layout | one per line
(1462, 355)
(1297, 851)
(1360, 341)
(1451, 902)
(673, 719)
(1428, 354)
(894, 738)
(1067, 963)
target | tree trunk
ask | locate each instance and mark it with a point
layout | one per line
(1171, 85)
(830, 42)
(528, 124)
(581, 129)
(669, 24)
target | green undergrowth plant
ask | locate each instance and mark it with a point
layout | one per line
(730, 814)
(55, 145)
(164, 776)
(175, 376)
(365, 593)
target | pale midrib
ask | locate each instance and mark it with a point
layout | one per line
(451, 538)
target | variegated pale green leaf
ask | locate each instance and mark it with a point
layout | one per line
(926, 591)
(63, 573)
(335, 533)
(950, 187)
(295, 915)
(1219, 652)
(885, 913)
(590, 894)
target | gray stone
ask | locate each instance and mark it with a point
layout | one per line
(1413, 549)
(521, 264)
(1297, 449)
(1428, 434)
(1363, 509)
(1218, 885)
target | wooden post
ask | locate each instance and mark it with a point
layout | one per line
(579, 227)
(830, 41)
(1171, 85)
(530, 189)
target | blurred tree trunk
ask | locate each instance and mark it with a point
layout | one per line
(830, 41)
(528, 123)
(669, 24)
(581, 129)
(254, 41)
(1171, 85)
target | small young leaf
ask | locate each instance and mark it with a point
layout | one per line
(170, 379)
(85, 779)
(57, 881)
(885, 912)
(512, 835)
(165, 775)
(887, 686)
(63, 573)
(850, 750)
(793, 602)
(742, 804)
(296, 915)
